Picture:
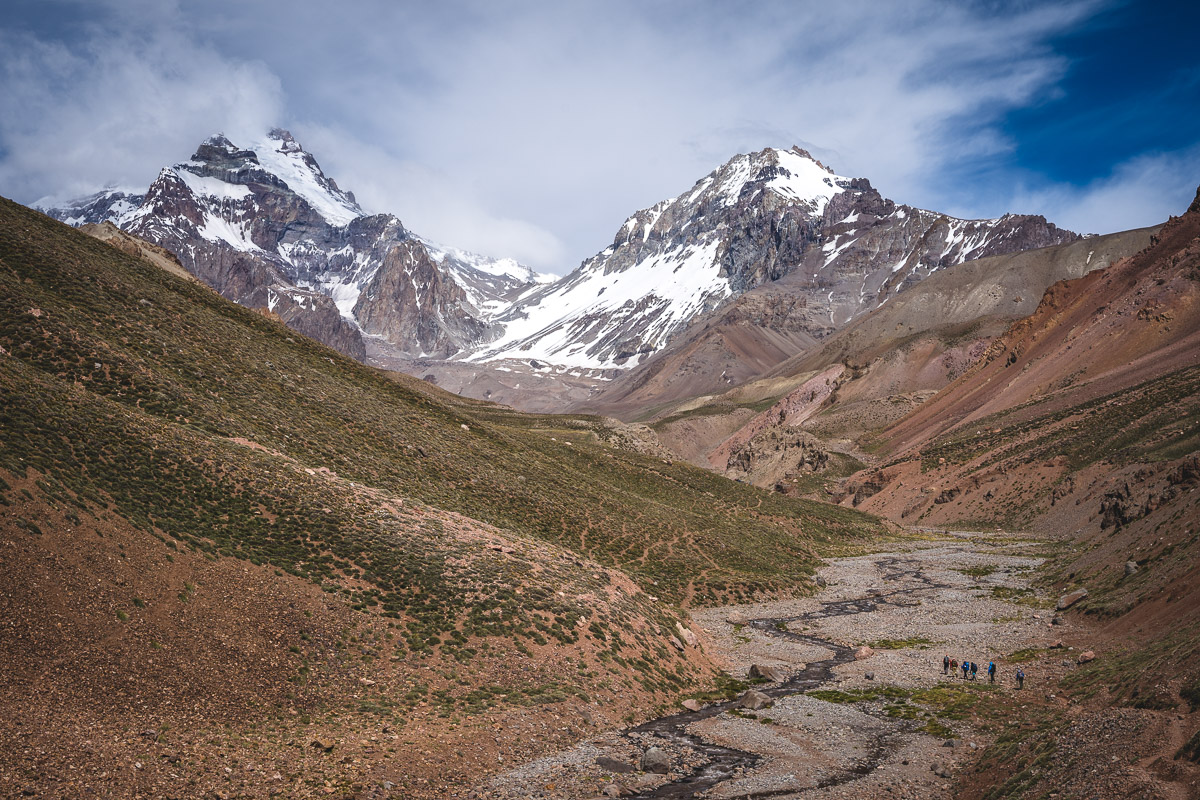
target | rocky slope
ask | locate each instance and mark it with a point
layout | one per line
(1082, 423)
(779, 329)
(888, 361)
(1082, 418)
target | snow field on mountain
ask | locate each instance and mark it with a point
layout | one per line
(808, 181)
(217, 229)
(279, 159)
(204, 187)
(677, 284)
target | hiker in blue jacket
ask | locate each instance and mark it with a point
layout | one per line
(991, 672)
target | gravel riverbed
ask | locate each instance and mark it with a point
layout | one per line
(966, 597)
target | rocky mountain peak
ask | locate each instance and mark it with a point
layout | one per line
(800, 151)
(266, 227)
(288, 143)
(757, 219)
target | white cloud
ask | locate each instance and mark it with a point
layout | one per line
(448, 212)
(1140, 192)
(533, 129)
(115, 110)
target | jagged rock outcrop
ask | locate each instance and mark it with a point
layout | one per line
(773, 440)
(410, 300)
(774, 453)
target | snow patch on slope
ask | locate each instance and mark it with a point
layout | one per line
(673, 287)
(279, 154)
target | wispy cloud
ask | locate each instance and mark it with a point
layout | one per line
(1140, 192)
(533, 129)
(115, 108)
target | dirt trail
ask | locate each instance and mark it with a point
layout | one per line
(916, 603)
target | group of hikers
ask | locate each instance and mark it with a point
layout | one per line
(970, 670)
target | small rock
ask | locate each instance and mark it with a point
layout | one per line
(1130, 568)
(950, 743)
(611, 790)
(772, 674)
(656, 761)
(736, 618)
(819, 581)
(1070, 599)
(1057, 620)
(1085, 656)
(870, 676)
(678, 645)
(692, 705)
(1057, 645)
(863, 652)
(754, 700)
(612, 765)
(686, 634)
(323, 744)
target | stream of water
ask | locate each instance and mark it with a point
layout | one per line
(722, 763)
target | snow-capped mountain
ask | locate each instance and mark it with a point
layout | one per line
(754, 220)
(267, 228)
(105, 205)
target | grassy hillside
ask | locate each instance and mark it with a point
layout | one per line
(253, 541)
(79, 316)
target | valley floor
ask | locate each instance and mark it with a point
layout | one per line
(884, 724)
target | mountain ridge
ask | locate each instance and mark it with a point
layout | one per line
(268, 229)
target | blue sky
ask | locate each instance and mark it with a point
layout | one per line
(532, 129)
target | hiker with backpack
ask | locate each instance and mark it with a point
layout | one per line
(991, 672)
(1020, 679)
(974, 670)
(945, 664)
(966, 666)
